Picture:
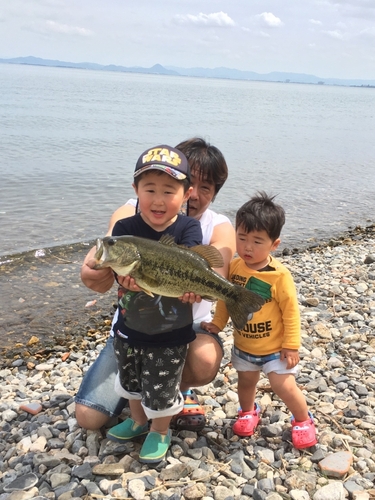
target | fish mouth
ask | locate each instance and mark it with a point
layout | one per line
(99, 251)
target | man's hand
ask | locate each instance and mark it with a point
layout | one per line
(99, 280)
(291, 356)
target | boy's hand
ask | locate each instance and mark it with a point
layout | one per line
(129, 283)
(291, 356)
(191, 298)
(210, 327)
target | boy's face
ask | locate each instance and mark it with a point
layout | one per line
(254, 247)
(160, 198)
(201, 195)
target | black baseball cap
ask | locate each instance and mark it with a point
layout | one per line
(165, 158)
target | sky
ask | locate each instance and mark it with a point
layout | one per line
(325, 38)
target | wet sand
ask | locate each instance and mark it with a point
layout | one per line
(44, 303)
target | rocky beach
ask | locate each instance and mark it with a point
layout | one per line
(46, 349)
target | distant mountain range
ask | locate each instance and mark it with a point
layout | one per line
(233, 74)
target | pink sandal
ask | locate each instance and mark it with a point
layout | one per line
(247, 422)
(303, 433)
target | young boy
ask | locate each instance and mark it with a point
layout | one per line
(152, 333)
(271, 338)
(96, 402)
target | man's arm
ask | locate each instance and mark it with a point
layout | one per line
(101, 280)
(121, 213)
(224, 239)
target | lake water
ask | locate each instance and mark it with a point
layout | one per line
(69, 140)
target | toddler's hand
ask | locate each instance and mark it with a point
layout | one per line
(291, 356)
(210, 327)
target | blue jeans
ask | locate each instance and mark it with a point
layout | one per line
(97, 390)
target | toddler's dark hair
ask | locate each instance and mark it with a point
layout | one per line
(260, 213)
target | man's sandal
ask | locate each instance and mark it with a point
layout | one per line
(191, 417)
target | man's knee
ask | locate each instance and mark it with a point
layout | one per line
(88, 418)
(202, 361)
(200, 372)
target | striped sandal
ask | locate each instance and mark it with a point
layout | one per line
(191, 417)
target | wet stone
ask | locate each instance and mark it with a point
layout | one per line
(22, 483)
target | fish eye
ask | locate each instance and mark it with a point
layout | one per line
(111, 241)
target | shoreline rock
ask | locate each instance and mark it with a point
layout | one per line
(336, 290)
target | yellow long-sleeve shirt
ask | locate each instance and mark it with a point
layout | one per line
(277, 324)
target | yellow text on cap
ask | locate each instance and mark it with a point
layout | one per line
(162, 154)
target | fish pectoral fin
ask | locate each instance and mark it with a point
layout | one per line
(167, 239)
(210, 254)
(148, 292)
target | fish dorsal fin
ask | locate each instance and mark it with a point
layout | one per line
(167, 239)
(210, 254)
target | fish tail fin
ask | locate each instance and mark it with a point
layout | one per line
(241, 304)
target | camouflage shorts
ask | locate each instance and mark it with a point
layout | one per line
(155, 372)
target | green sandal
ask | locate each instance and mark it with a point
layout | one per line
(127, 431)
(155, 447)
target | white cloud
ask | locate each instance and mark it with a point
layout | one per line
(49, 26)
(366, 4)
(368, 32)
(270, 20)
(334, 34)
(214, 19)
(67, 30)
(314, 21)
(362, 9)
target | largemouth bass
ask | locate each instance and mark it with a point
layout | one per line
(164, 268)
